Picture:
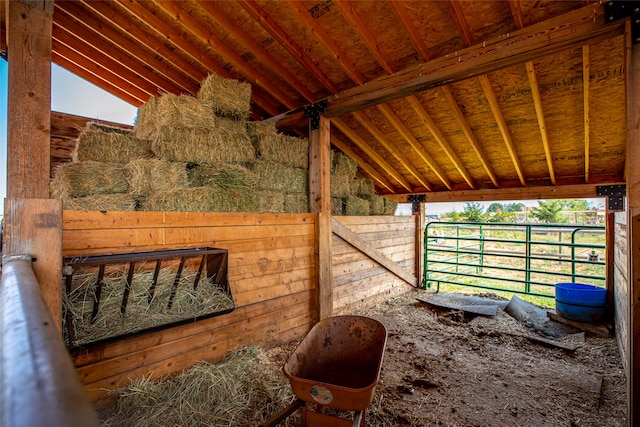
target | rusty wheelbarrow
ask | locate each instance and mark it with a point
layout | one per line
(337, 365)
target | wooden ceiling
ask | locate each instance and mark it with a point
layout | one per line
(426, 96)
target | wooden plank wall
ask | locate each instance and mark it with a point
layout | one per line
(621, 286)
(271, 271)
(358, 280)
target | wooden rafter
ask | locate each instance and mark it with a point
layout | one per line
(371, 42)
(194, 26)
(362, 144)
(92, 16)
(370, 171)
(463, 27)
(378, 135)
(502, 125)
(587, 126)
(123, 64)
(516, 12)
(254, 47)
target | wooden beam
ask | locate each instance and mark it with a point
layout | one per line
(537, 103)
(404, 161)
(587, 126)
(34, 227)
(372, 252)
(215, 12)
(502, 125)
(548, 37)
(374, 174)
(577, 191)
(320, 200)
(440, 139)
(356, 139)
(29, 101)
(633, 202)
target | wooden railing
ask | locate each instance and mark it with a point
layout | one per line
(40, 386)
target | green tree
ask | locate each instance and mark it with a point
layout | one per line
(496, 207)
(549, 212)
(473, 212)
(514, 207)
(575, 204)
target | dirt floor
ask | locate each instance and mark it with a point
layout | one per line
(450, 368)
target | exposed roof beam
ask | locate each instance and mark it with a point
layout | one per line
(537, 103)
(489, 93)
(370, 40)
(65, 28)
(422, 50)
(374, 174)
(516, 12)
(587, 126)
(362, 144)
(377, 134)
(194, 26)
(212, 9)
(440, 139)
(548, 37)
(502, 125)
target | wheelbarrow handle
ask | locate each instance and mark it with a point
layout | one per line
(276, 419)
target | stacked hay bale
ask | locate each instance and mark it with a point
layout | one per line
(201, 154)
(354, 196)
(96, 179)
(282, 168)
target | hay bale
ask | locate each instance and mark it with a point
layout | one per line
(147, 123)
(343, 165)
(376, 205)
(227, 176)
(390, 206)
(200, 199)
(148, 176)
(296, 203)
(271, 201)
(278, 177)
(140, 313)
(261, 130)
(356, 206)
(101, 202)
(228, 143)
(87, 178)
(341, 185)
(337, 206)
(365, 188)
(242, 390)
(110, 145)
(283, 149)
(226, 97)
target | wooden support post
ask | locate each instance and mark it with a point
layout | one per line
(420, 219)
(320, 200)
(633, 195)
(29, 98)
(610, 241)
(34, 227)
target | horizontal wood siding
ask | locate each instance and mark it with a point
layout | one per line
(621, 285)
(272, 275)
(361, 282)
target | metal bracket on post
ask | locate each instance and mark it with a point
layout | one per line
(620, 9)
(615, 195)
(313, 111)
(415, 200)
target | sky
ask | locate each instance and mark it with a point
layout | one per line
(69, 94)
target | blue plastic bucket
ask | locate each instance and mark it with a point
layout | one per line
(581, 302)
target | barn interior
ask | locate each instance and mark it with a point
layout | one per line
(421, 101)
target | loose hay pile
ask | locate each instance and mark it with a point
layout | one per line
(146, 307)
(239, 391)
(199, 153)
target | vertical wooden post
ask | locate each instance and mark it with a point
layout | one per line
(29, 98)
(633, 198)
(419, 217)
(320, 200)
(32, 223)
(610, 241)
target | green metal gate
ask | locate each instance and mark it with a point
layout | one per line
(522, 258)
